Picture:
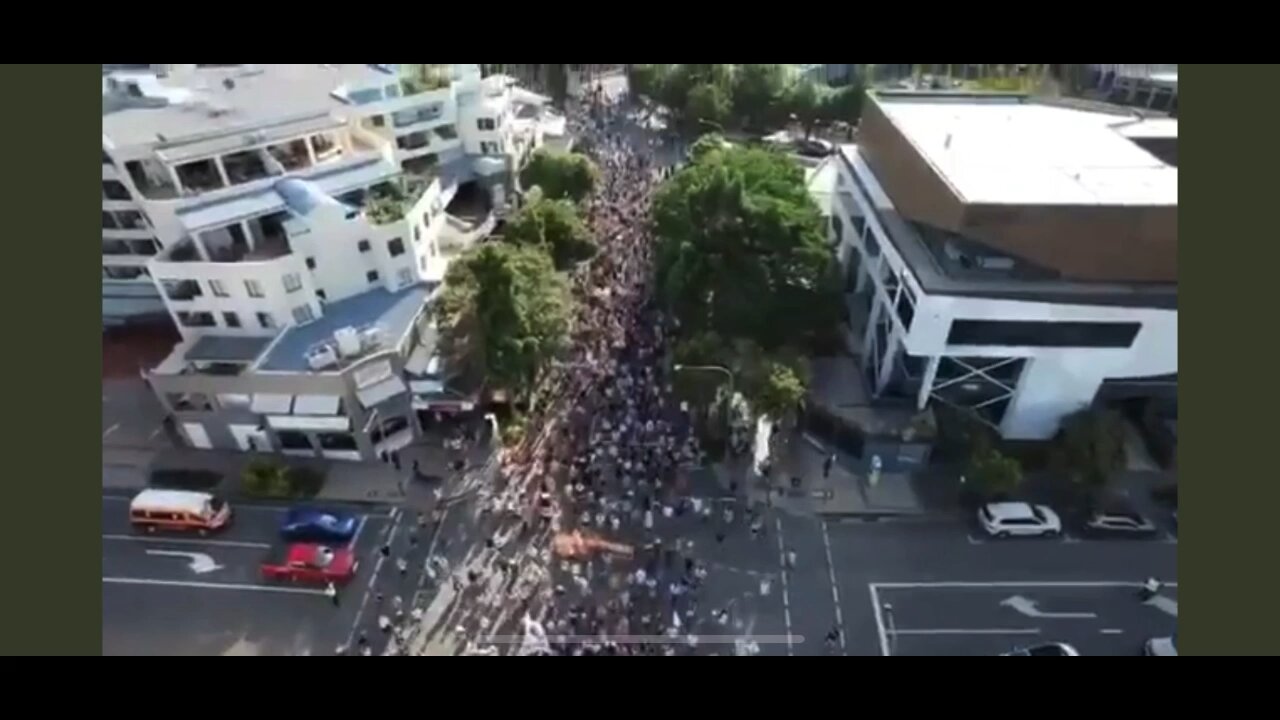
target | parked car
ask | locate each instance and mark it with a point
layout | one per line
(310, 563)
(1009, 519)
(814, 147)
(1119, 521)
(1045, 650)
(312, 525)
(1162, 646)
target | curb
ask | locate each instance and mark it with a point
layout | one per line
(872, 516)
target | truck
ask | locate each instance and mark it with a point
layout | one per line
(310, 563)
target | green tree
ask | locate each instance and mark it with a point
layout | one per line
(707, 105)
(994, 474)
(648, 80)
(742, 248)
(560, 174)
(804, 102)
(1090, 447)
(758, 91)
(554, 227)
(503, 314)
(843, 105)
(781, 392)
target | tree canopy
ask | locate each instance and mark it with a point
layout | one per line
(554, 227)
(742, 248)
(503, 314)
(1091, 446)
(561, 175)
(757, 92)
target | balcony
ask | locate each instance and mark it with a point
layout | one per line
(390, 202)
(266, 240)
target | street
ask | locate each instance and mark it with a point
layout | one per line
(191, 595)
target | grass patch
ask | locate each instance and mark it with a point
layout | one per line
(266, 479)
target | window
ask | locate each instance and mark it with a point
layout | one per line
(114, 190)
(254, 288)
(873, 247)
(485, 123)
(144, 247)
(109, 221)
(363, 246)
(336, 441)
(371, 276)
(302, 314)
(364, 97)
(197, 319)
(378, 121)
(417, 234)
(490, 148)
(293, 440)
(311, 263)
(266, 321)
(123, 272)
(447, 132)
(106, 159)
(114, 247)
(837, 227)
(414, 140)
(1043, 333)
(322, 295)
(906, 307)
(218, 289)
(405, 276)
(131, 220)
(292, 282)
(412, 116)
(231, 319)
(181, 289)
(395, 246)
(422, 263)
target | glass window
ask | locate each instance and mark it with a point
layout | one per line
(266, 321)
(123, 272)
(311, 263)
(293, 440)
(1043, 333)
(337, 441)
(114, 247)
(406, 276)
(218, 289)
(109, 221)
(114, 190)
(395, 246)
(131, 220)
(366, 96)
(837, 228)
(292, 282)
(197, 319)
(254, 288)
(144, 247)
(231, 319)
(302, 314)
(371, 276)
(363, 246)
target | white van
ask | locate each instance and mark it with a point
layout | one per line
(202, 512)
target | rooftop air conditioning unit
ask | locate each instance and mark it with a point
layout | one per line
(371, 337)
(322, 357)
(348, 340)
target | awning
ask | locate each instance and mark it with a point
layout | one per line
(381, 391)
(319, 424)
(316, 405)
(271, 404)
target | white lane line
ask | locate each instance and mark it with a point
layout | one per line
(1111, 631)
(211, 585)
(1015, 584)
(835, 588)
(373, 577)
(110, 430)
(967, 631)
(786, 590)
(973, 540)
(1070, 539)
(156, 432)
(187, 541)
(359, 529)
(875, 605)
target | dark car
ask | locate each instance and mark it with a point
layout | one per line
(1119, 522)
(1045, 650)
(814, 148)
(310, 525)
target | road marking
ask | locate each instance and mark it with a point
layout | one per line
(1014, 584)
(875, 605)
(1170, 538)
(1111, 631)
(1168, 605)
(1028, 607)
(110, 430)
(973, 540)
(373, 577)
(156, 432)
(1070, 539)
(786, 592)
(187, 541)
(359, 529)
(210, 585)
(199, 563)
(835, 589)
(968, 631)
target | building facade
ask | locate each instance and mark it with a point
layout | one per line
(1005, 257)
(300, 233)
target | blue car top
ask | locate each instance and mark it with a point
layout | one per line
(315, 525)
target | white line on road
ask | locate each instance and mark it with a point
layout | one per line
(187, 541)
(835, 588)
(875, 605)
(210, 585)
(1111, 631)
(786, 592)
(156, 432)
(973, 540)
(359, 529)
(373, 577)
(1014, 584)
(110, 430)
(967, 631)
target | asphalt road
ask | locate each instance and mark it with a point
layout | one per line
(157, 600)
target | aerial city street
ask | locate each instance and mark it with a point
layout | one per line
(639, 360)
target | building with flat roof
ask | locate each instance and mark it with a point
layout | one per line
(1005, 256)
(298, 231)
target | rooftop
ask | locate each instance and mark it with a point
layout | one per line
(391, 312)
(215, 348)
(1007, 150)
(205, 101)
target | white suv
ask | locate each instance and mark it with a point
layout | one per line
(1009, 519)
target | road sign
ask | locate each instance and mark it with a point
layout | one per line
(199, 563)
(1028, 607)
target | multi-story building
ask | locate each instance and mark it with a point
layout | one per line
(1009, 257)
(296, 215)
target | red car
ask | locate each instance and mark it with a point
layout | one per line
(311, 563)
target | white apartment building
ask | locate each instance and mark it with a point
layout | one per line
(1005, 256)
(295, 215)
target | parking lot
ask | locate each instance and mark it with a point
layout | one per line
(190, 595)
(990, 618)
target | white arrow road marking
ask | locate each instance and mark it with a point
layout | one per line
(1168, 605)
(199, 562)
(1028, 607)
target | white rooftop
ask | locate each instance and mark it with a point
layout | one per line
(1031, 154)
